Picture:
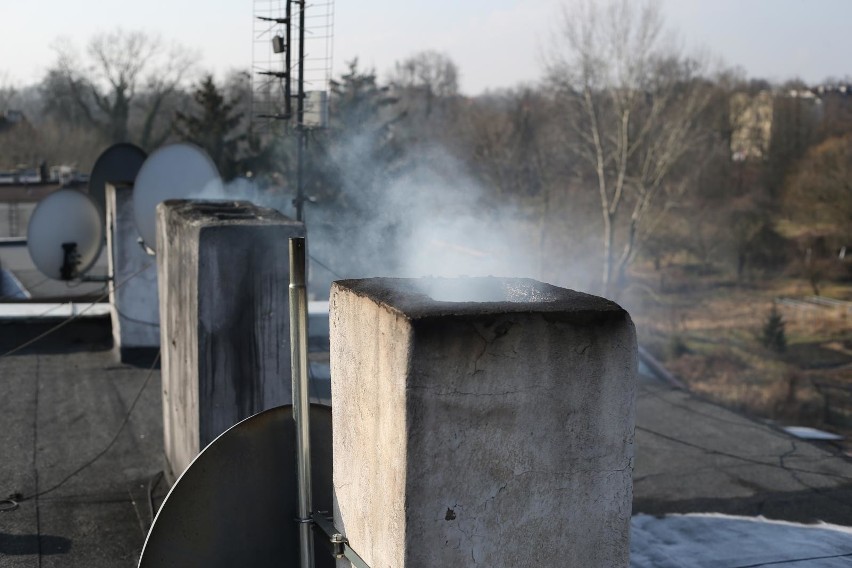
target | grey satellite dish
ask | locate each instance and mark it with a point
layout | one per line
(175, 171)
(118, 163)
(65, 234)
(236, 504)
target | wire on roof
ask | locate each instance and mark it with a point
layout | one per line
(135, 320)
(746, 422)
(75, 316)
(100, 454)
(30, 289)
(323, 265)
(743, 458)
(792, 560)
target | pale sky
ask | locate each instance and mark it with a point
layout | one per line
(496, 43)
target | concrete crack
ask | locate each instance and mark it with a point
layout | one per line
(481, 354)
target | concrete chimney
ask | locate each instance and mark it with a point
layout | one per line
(481, 421)
(133, 288)
(224, 272)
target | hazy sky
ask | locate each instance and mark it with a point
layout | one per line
(496, 43)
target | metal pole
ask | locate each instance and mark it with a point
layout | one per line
(300, 120)
(301, 410)
(288, 89)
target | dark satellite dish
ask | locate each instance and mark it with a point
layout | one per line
(65, 234)
(118, 163)
(175, 171)
(236, 504)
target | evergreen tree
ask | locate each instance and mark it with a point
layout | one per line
(215, 128)
(774, 336)
(348, 162)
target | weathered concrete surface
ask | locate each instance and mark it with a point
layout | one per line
(133, 288)
(62, 405)
(223, 276)
(695, 456)
(497, 433)
(65, 397)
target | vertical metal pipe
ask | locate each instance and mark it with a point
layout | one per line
(301, 410)
(300, 120)
(288, 77)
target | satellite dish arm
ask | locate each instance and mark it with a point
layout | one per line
(70, 261)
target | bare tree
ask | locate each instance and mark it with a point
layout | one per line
(426, 88)
(818, 194)
(123, 74)
(8, 93)
(633, 105)
(20, 143)
(428, 70)
(501, 134)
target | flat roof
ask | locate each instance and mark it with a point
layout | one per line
(695, 456)
(66, 397)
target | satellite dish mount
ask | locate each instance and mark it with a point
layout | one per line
(71, 260)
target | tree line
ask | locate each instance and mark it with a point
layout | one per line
(627, 151)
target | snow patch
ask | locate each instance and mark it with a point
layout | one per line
(707, 540)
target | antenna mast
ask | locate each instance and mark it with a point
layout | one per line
(282, 29)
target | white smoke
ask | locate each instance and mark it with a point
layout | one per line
(429, 217)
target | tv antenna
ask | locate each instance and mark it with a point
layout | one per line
(292, 60)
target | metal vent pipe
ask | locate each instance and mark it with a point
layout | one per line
(299, 367)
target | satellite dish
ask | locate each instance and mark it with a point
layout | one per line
(236, 504)
(175, 171)
(118, 163)
(65, 234)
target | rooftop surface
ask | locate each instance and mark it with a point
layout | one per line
(63, 402)
(66, 398)
(695, 456)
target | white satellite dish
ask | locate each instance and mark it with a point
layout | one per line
(65, 234)
(175, 171)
